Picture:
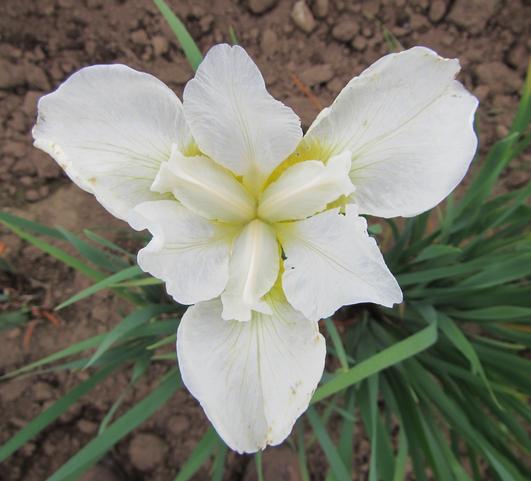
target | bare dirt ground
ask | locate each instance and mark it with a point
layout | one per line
(44, 41)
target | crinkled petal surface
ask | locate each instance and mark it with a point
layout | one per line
(110, 127)
(254, 266)
(409, 126)
(306, 188)
(233, 118)
(188, 252)
(205, 188)
(331, 262)
(253, 379)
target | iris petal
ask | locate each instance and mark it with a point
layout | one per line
(253, 379)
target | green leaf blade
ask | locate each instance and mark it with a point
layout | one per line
(191, 51)
(384, 359)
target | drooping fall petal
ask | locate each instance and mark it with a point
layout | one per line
(253, 379)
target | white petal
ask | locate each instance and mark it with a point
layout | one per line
(254, 266)
(110, 127)
(253, 379)
(332, 262)
(306, 188)
(206, 188)
(189, 253)
(234, 119)
(409, 126)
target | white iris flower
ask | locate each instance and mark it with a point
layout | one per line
(255, 224)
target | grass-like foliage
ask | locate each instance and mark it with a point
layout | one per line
(442, 381)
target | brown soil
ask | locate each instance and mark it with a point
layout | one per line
(42, 42)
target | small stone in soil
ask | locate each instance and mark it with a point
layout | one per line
(473, 15)
(437, 11)
(32, 195)
(99, 473)
(42, 391)
(359, 43)
(335, 85)
(10, 75)
(261, 6)
(345, 30)
(36, 77)
(320, 8)
(146, 451)
(44, 190)
(178, 424)
(317, 74)
(269, 42)
(6, 164)
(501, 131)
(518, 57)
(32, 253)
(418, 22)
(160, 45)
(139, 37)
(15, 149)
(26, 180)
(91, 47)
(28, 449)
(206, 22)
(87, 427)
(500, 78)
(18, 122)
(18, 422)
(303, 17)
(45, 166)
(11, 390)
(370, 8)
(517, 179)
(481, 92)
(72, 413)
(29, 105)
(367, 31)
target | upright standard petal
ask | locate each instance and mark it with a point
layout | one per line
(409, 126)
(188, 252)
(331, 262)
(233, 118)
(254, 266)
(253, 379)
(205, 188)
(110, 127)
(306, 188)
